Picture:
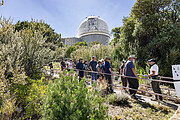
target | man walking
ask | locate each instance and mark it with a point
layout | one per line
(131, 72)
(80, 68)
(154, 75)
(108, 73)
(92, 66)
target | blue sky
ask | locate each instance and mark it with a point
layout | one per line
(65, 16)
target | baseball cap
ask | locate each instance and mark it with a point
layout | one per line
(93, 57)
(107, 58)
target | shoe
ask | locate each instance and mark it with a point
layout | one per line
(134, 97)
(154, 99)
(125, 91)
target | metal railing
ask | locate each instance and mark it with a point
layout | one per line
(167, 96)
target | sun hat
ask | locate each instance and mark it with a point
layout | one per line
(123, 61)
(132, 56)
(152, 60)
(99, 61)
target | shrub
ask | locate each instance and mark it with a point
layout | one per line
(100, 51)
(29, 97)
(25, 49)
(69, 99)
(118, 99)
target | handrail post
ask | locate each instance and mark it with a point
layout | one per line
(168, 92)
(158, 99)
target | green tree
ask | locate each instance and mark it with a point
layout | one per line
(116, 35)
(42, 27)
(151, 31)
(95, 43)
(74, 47)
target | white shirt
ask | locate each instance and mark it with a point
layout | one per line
(154, 68)
(70, 65)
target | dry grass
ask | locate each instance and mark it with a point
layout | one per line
(137, 110)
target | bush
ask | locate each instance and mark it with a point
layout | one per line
(69, 99)
(29, 97)
(24, 49)
(100, 51)
(118, 99)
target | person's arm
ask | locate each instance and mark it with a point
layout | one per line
(68, 65)
(77, 66)
(110, 70)
(90, 66)
(121, 71)
(99, 70)
(153, 74)
(134, 71)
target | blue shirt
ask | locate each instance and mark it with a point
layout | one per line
(93, 65)
(128, 69)
(107, 66)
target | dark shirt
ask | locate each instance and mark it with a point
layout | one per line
(102, 68)
(93, 65)
(80, 66)
(63, 64)
(107, 66)
(121, 68)
(128, 69)
(98, 66)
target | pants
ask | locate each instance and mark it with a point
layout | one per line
(98, 76)
(124, 81)
(81, 75)
(86, 73)
(109, 86)
(155, 87)
(93, 77)
(133, 83)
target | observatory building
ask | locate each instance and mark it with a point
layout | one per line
(93, 28)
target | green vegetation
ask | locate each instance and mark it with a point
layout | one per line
(67, 98)
(151, 31)
(86, 52)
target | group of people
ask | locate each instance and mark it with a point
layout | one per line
(102, 68)
(67, 65)
(129, 75)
